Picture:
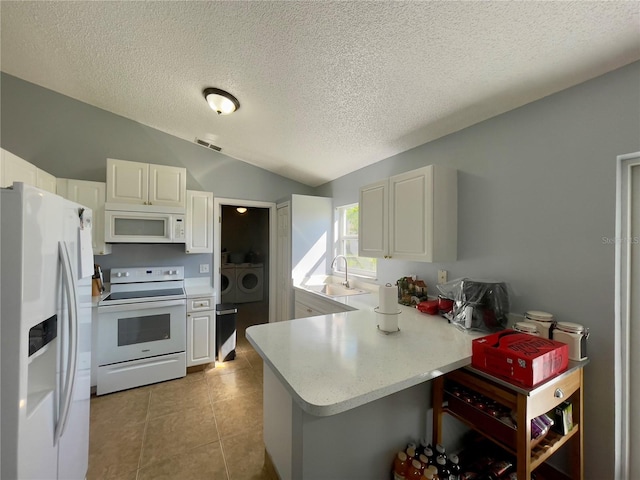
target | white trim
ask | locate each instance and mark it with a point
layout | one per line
(622, 298)
(218, 202)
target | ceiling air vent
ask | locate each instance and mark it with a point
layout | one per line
(208, 145)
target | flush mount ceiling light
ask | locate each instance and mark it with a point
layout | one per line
(220, 101)
(241, 210)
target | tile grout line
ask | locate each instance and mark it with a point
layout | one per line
(215, 420)
(144, 433)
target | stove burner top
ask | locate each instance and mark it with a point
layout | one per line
(143, 294)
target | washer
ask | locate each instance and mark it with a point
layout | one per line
(249, 282)
(228, 289)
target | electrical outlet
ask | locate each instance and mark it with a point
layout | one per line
(204, 268)
(442, 276)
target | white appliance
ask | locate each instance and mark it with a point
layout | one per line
(144, 227)
(142, 328)
(228, 283)
(249, 282)
(45, 331)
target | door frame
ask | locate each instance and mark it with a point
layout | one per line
(622, 298)
(218, 202)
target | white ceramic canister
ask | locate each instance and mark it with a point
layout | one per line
(574, 335)
(544, 320)
(527, 327)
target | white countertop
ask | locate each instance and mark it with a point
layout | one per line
(333, 363)
(198, 287)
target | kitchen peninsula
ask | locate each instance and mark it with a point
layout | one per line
(340, 396)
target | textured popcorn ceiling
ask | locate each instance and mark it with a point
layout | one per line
(325, 87)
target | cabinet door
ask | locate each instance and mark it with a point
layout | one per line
(373, 220)
(92, 195)
(167, 186)
(127, 182)
(304, 311)
(45, 181)
(201, 340)
(199, 236)
(15, 169)
(411, 215)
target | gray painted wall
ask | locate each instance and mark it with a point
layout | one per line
(71, 139)
(536, 198)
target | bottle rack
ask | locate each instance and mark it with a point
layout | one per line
(528, 403)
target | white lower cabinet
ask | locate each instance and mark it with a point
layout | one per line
(309, 305)
(201, 331)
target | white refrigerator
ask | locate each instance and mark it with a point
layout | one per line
(45, 335)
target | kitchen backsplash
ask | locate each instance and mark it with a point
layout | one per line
(154, 255)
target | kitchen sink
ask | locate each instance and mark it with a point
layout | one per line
(335, 290)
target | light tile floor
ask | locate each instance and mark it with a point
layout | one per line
(207, 425)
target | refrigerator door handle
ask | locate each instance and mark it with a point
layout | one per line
(69, 282)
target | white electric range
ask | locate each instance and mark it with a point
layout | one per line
(141, 328)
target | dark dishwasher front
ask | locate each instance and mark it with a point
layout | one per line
(226, 331)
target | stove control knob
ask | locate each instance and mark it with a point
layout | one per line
(126, 274)
(118, 274)
(173, 272)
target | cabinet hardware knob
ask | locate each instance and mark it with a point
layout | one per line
(309, 310)
(150, 203)
(144, 203)
(558, 393)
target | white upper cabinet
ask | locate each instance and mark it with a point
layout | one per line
(92, 195)
(146, 186)
(15, 169)
(373, 220)
(167, 186)
(411, 216)
(199, 236)
(45, 181)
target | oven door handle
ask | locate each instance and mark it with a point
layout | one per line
(130, 307)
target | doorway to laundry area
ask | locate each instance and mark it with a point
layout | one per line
(244, 242)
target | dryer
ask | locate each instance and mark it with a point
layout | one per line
(249, 282)
(228, 287)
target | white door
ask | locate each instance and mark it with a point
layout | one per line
(92, 195)
(167, 186)
(127, 182)
(634, 317)
(373, 219)
(627, 338)
(199, 236)
(283, 274)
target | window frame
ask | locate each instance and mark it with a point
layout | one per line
(339, 242)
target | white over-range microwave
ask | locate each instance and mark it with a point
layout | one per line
(144, 227)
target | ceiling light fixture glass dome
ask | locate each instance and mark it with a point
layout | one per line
(220, 101)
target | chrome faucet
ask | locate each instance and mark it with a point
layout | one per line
(346, 269)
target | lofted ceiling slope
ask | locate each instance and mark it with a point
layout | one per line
(325, 88)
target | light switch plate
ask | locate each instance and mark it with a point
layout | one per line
(442, 276)
(204, 268)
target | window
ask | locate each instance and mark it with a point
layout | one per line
(347, 243)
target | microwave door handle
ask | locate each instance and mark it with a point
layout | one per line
(130, 307)
(72, 345)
